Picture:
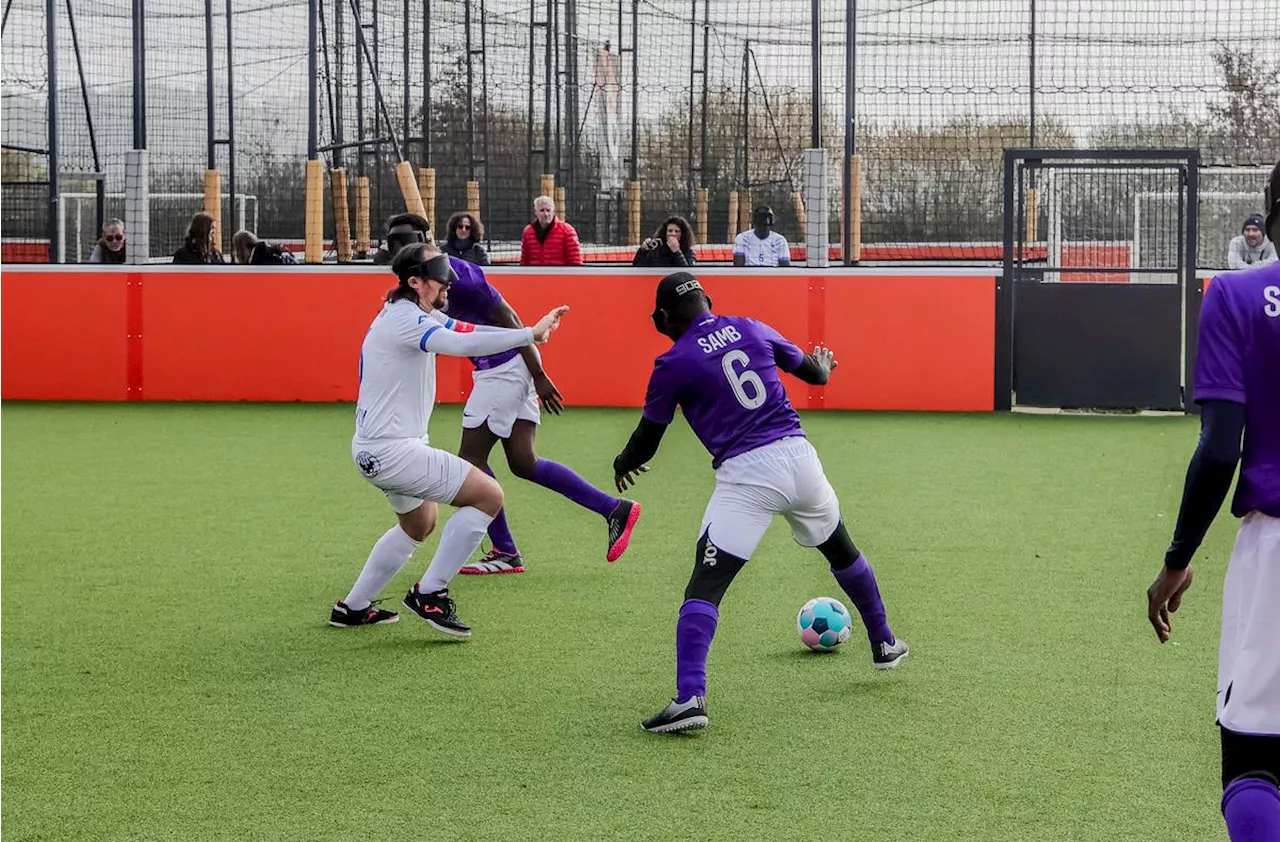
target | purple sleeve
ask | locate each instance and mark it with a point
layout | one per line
(481, 295)
(661, 397)
(1219, 358)
(786, 354)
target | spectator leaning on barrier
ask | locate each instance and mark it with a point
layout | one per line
(198, 246)
(110, 249)
(548, 241)
(402, 230)
(1251, 248)
(670, 245)
(761, 246)
(463, 234)
(247, 249)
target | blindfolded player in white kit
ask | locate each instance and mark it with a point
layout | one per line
(397, 394)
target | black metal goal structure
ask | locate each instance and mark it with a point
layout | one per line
(1097, 305)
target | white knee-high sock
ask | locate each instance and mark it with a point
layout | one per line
(385, 560)
(461, 537)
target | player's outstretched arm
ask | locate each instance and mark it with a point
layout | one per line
(504, 315)
(439, 339)
(547, 324)
(815, 369)
(1209, 475)
(641, 447)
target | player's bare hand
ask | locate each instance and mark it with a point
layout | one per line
(825, 357)
(1164, 597)
(548, 323)
(548, 394)
(628, 480)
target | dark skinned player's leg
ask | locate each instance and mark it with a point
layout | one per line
(477, 444)
(621, 515)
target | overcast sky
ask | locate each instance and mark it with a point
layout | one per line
(922, 61)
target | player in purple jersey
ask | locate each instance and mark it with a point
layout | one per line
(1238, 389)
(503, 406)
(722, 371)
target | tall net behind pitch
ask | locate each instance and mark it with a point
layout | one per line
(24, 190)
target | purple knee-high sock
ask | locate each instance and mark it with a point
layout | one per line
(859, 582)
(694, 630)
(563, 480)
(499, 533)
(1251, 807)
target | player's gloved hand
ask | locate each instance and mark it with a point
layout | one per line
(1163, 598)
(825, 357)
(627, 480)
(548, 393)
(548, 323)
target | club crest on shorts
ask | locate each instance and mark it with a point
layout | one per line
(368, 463)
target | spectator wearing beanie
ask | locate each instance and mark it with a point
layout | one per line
(1251, 248)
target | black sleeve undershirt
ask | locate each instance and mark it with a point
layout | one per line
(1209, 476)
(640, 448)
(811, 372)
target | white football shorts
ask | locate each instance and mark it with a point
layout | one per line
(501, 396)
(784, 478)
(409, 471)
(1249, 650)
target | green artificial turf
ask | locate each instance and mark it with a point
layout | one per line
(168, 672)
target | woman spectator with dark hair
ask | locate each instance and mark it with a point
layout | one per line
(463, 234)
(247, 249)
(198, 247)
(110, 249)
(670, 245)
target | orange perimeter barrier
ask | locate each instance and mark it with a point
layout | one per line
(904, 341)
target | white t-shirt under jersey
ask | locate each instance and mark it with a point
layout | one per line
(398, 366)
(770, 251)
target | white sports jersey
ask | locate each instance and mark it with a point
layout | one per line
(398, 366)
(770, 251)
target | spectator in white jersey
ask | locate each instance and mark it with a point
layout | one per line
(761, 246)
(1251, 248)
(393, 411)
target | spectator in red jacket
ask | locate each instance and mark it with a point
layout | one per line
(548, 241)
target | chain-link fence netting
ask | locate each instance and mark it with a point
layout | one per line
(629, 111)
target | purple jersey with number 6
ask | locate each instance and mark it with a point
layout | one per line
(1239, 360)
(471, 299)
(723, 374)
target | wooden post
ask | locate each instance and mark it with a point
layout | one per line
(701, 214)
(802, 219)
(409, 189)
(547, 186)
(313, 252)
(473, 198)
(427, 189)
(362, 214)
(853, 225)
(561, 210)
(213, 201)
(1032, 226)
(341, 214)
(633, 213)
(733, 216)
